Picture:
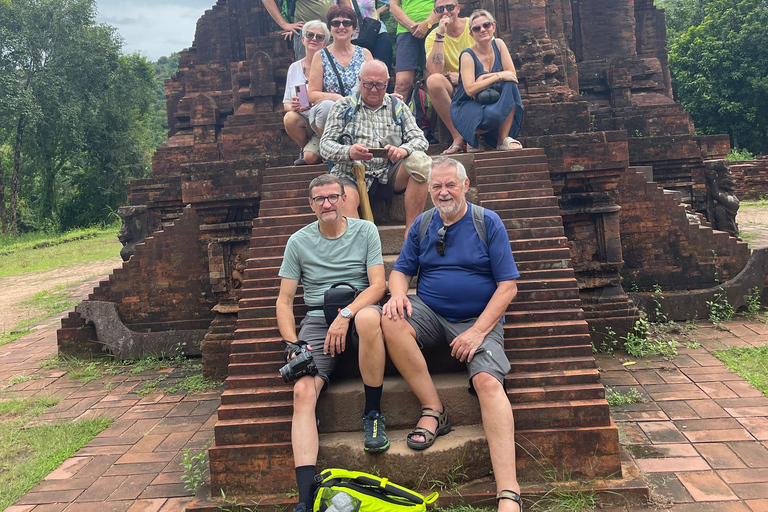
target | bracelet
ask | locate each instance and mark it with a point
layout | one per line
(439, 36)
(439, 41)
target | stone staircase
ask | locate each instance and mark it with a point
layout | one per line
(561, 416)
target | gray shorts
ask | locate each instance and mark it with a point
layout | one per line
(318, 115)
(410, 52)
(313, 331)
(432, 330)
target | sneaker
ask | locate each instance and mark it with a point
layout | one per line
(375, 432)
(301, 507)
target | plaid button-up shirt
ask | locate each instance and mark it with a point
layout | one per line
(372, 128)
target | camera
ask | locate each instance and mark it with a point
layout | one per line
(301, 365)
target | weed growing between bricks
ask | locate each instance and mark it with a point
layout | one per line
(29, 451)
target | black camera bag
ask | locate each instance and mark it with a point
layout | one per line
(335, 299)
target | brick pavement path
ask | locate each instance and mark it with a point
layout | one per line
(134, 465)
(701, 438)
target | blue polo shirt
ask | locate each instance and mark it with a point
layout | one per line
(459, 285)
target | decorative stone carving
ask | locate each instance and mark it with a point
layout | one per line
(722, 203)
(134, 230)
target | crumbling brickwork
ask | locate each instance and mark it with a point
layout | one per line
(751, 179)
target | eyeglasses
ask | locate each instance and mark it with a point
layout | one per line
(320, 200)
(375, 85)
(487, 25)
(443, 8)
(440, 244)
(338, 23)
(317, 37)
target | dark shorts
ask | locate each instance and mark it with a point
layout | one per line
(432, 330)
(378, 189)
(313, 331)
(410, 52)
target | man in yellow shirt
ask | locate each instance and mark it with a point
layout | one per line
(443, 47)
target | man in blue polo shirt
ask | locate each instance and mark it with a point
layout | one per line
(466, 281)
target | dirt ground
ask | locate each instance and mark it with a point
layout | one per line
(21, 287)
(753, 223)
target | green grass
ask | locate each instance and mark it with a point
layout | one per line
(7, 337)
(750, 363)
(614, 397)
(28, 454)
(763, 203)
(49, 302)
(18, 255)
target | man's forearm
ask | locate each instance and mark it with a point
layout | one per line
(436, 59)
(286, 322)
(274, 12)
(400, 15)
(399, 283)
(497, 306)
(367, 297)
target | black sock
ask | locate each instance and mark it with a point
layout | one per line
(305, 476)
(372, 399)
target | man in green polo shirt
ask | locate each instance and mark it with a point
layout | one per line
(414, 17)
(306, 10)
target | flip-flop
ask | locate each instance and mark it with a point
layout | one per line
(453, 149)
(509, 144)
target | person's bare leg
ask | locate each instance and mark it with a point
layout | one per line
(353, 201)
(499, 426)
(506, 125)
(404, 82)
(415, 196)
(400, 341)
(441, 92)
(372, 355)
(312, 158)
(296, 128)
(304, 436)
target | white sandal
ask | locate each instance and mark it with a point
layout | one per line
(509, 144)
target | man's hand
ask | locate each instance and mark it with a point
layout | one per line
(464, 346)
(336, 339)
(359, 152)
(395, 153)
(443, 26)
(419, 30)
(453, 77)
(397, 307)
(291, 29)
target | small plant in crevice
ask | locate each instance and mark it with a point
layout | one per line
(754, 304)
(647, 338)
(608, 342)
(195, 468)
(234, 505)
(720, 310)
(453, 480)
(693, 345)
(615, 398)
(658, 296)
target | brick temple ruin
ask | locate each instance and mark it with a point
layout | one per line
(592, 205)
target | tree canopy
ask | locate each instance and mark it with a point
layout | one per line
(718, 56)
(75, 114)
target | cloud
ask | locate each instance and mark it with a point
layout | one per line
(154, 27)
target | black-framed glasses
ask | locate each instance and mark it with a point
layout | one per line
(317, 37)
(443, 8)
(375, 85)
(338, 23)
(320, 200)
(440, 244)
(487, 25)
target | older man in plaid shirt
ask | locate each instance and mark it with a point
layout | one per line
(370, 123)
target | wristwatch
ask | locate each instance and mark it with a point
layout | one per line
(346, 313)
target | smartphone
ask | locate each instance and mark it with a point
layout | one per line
(379, 152)
(301, 92)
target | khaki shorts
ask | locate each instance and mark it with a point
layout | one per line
(432, 330)
(378, 190)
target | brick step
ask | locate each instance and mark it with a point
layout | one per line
(264, 261)
(557, 340)
(254, 302)
(292, 174)
(545, 305)
(509, 156)
(255, 368)
(551, 221)
(523, 213)
(274, 429)
(254, 381)
(255, 357)
(610, 314)
(554, 378)
(289, 202)
(551, 365)
(521, 203)
(544, 264)
(543, 254)
(534, 233)
(546, 273)
(545, 284)
(503, 181)
(285, 211)
(504, 161)
(253, 395)
(272, 193)
(492, 188)
(300, 220)
(266, 232)
(518, 353)
(265, 344)
(529, 329)
(544, 315)
(270, 409)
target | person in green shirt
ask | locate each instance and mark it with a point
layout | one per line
(414, 17)
(306, 10)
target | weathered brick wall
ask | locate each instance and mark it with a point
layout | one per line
(661, 247)
(751, 179)
(165, 284)
(606, 29)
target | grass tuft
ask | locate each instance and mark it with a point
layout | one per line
(750, 363)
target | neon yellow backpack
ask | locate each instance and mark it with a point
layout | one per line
(340, 490)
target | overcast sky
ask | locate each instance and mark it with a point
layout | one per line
(154, 27)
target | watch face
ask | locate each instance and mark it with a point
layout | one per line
(346, 313)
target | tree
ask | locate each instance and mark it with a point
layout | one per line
(720, 71)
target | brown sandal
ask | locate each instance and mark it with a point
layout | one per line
(510, 495)
(443, 427)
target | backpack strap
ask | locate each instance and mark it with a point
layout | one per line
(376, 482)
(478, 219)
(338, 76)
(426, 220)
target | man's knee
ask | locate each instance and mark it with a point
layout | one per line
(291, 119)
(486, 384)
(368, 321)
(436, 81)
(304, 393)
(393, 329)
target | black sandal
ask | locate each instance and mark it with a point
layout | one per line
(510, 495)
(443, 427)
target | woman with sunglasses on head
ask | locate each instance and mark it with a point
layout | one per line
(487, 101)
(314, 37)
(334, 75)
